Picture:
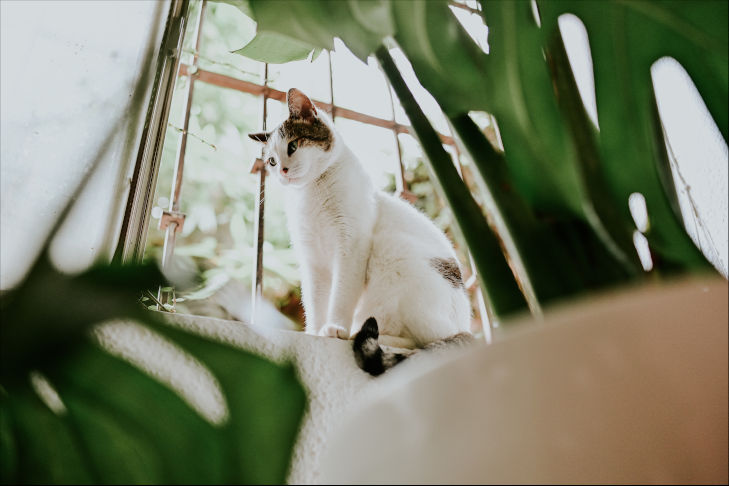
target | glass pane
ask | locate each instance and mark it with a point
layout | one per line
(276, 112)
(310, 77)
(376, 149)
(358, 86)
(425, 100)
(225, 29)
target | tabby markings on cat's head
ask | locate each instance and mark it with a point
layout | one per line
(313, 132)
(303, 123)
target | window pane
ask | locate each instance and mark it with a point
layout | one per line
(310, 77)
(425, 100)
(225, 29)
(375, 147)
(358, 86)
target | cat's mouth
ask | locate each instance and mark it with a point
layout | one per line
(290, 180)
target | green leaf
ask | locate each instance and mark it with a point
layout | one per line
(132, 428)
(121, 426)
(117, 423)
(275, 48)
(266, 403)
(8, 448)
(499, 284)
(46, 447)
(241, 5)
(374, 16)
(316, 23)
(625, 39)
(447, 61)
(540, 157)
(32, 334)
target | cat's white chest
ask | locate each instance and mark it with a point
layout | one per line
(312, 225)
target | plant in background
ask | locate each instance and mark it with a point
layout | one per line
(557, 219)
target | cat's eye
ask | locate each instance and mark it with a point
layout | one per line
(292, 147)
(271, 161)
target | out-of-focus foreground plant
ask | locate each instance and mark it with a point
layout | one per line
(72, 412)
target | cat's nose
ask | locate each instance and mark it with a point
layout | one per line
(285, 170)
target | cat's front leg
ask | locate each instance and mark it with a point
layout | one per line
(348, 281)
(315, 290)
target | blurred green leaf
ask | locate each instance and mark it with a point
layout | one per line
(45, 445)
(317, 23)
(31, 334)
(626, 38)
(266, 403)
(117, 424)
(493, 270)
(274, 47)
(241, 5)
(447, 61)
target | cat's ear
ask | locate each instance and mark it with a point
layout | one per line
(260, 137)
(300, 106)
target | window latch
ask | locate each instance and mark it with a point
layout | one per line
(169, 217)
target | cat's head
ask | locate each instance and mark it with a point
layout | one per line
(300, 149)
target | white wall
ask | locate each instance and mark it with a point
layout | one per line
(69, 71)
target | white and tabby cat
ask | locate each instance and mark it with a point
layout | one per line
(371, 264)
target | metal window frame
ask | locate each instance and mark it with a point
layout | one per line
(133, 234)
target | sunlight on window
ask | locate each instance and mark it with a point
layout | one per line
(426, 101)
(311, 77)
(474, 25)
(374, 146)
(358, 86)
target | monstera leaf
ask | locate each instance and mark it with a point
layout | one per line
(494, 271)
(626, 38)
(283, 23)
(112, 422)
(275, 48)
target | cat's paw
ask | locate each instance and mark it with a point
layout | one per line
(335, 331)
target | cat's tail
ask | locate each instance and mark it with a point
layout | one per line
(367, 351)
(374, 360)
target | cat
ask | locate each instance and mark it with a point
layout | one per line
(372, 265)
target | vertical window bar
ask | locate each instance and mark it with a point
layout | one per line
(401, 185)
(487, 317)
(331, 86)
(259, 220)
(133, 233)
(172, 220)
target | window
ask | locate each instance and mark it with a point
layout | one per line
(217, 245)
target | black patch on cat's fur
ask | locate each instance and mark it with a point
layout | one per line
(314, 132)
(371, 358)
(448, 268)
(367, 352)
